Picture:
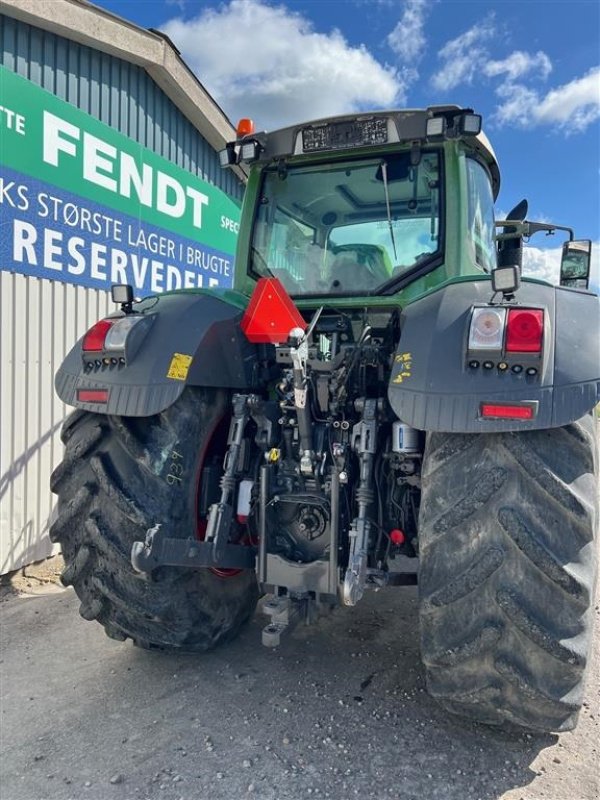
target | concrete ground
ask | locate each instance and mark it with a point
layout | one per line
(337, 711)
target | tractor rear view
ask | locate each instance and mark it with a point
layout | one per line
(380, 384)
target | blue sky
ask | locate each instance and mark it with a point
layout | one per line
(531, 68)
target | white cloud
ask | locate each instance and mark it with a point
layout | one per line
(570, 107)
(467, 56)
(463, 56)
(268, 63)
(575, 104)
(407, 39)
(518, 64)
(544, 263)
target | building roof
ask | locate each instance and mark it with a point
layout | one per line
(91, 25)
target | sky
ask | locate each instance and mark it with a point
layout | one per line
(532, 69)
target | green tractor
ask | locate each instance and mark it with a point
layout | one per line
(381, 384)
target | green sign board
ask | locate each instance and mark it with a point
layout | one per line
(82, 203)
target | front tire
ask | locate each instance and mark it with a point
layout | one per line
(507, 572)
(121, 476)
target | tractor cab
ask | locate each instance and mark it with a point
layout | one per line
(363, 206)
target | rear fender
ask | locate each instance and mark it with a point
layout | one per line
(433, 388)
(194, 339)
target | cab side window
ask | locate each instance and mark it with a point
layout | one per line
(481, 216)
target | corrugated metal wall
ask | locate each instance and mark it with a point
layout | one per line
(40, 320)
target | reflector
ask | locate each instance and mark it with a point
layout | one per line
(271, 314)
(92, 395)
(94, 338)
(524, 330)
(500, 411)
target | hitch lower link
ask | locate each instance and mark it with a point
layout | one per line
(364, 442)
(161, 550)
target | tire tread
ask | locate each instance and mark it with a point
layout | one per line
(506, 575)
(109, 492)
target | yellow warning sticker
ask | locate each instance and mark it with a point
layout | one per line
(179, 367)
(404, 364)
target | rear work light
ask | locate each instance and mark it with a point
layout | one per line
(249, 151)
(524, 330)
(94, 339)
(508, 411)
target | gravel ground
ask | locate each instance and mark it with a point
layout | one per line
(338, 711)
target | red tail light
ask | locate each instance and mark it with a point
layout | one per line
(502, 411)
(94, 338)
(524, 330)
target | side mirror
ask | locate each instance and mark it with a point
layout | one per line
(575, 264)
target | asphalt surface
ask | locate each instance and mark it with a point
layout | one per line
(339, 711)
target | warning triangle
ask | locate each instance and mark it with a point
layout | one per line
(271, 314)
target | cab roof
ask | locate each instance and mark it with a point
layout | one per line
(404, 126)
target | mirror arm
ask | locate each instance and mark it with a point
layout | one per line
(534, 227)
(524, 229)
(517, 229)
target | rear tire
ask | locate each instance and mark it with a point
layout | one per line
(119, 477)
(507, 572)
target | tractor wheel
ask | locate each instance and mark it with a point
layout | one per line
(121, 476)
(507, 571)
